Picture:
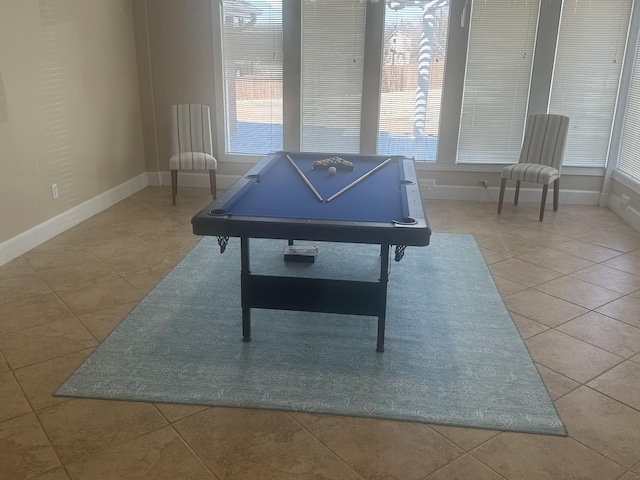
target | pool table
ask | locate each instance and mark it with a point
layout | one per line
(292, 196)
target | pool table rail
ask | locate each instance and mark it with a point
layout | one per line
(218, 218)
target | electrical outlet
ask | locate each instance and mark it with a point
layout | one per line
(54, 190)
(426, 185)
(624, 201)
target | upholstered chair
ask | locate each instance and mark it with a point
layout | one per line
(540, 158)
(191, 144)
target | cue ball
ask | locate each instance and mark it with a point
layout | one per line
(332, 170)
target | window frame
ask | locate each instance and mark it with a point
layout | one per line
(458, 32)
(631, 54)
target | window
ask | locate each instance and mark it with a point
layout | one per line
(333, 74)
(415, 39)
(369, 75)
(332, 71)
(586, 76)
(629, 161)
(252, 58)
(498, 73)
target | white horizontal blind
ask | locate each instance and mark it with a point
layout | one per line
(498, 74)
(629, 161)
(252, 56)
(332, 69)
(591, 45)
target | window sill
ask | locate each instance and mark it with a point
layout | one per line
(626, 180)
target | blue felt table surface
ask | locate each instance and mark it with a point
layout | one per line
(282, 193)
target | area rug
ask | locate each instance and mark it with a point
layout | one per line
(452, 356)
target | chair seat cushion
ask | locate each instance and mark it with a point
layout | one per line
(193, 161)
(531, 172)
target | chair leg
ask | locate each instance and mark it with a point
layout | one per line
(174, 185)
(212, 182)
(503, 184)
(556, 194)
(545, 187)
(515, 199)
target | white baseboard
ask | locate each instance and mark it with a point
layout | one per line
(155, 179)
(430, 190)
(628, 213)
(16, 246)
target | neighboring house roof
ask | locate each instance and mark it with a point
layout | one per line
(397, 33)
(241, 8)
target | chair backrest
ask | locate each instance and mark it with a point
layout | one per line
(191, 129)
(544, 139)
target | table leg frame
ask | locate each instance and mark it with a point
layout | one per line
(352, 297)
(245, 273)
(382, 296)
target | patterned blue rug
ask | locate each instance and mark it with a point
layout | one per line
(452, 353)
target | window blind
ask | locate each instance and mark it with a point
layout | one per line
(332, 69)
(591, 45)
(252, 56)
(629, 161)
(498, 73)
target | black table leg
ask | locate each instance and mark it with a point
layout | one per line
(245, 271)
(382, 296)
(257, 291)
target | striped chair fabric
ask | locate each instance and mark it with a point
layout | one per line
(191, 144)
(540, 158)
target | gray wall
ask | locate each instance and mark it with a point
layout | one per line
(69, 106)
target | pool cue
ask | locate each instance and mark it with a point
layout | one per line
(315, 192)
(358, 180)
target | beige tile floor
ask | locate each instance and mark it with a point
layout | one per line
(572, 284)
